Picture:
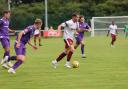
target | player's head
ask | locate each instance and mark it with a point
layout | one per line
(7, 14)
(38, 23)
(81, 18)
(113, 22)
(75, 17)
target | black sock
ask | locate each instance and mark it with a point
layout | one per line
(12, 58)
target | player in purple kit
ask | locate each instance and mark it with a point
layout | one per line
(4, 38)
(83, 27)
(21, 40)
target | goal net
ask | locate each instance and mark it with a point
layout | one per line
(100, 25)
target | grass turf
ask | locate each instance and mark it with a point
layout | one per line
(104, 67)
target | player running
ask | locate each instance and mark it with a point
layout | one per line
(84, 27)
(4, 38)
(37, 34)
(70, 28)
(21, 40)
(113, 31)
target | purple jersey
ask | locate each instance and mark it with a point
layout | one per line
(28, 33)
(4, 24)
(83, 26)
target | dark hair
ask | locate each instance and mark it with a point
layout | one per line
(81, 16)
(6, 12)
(75, 14)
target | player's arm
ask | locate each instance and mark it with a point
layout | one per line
(89, 29)
(20, 36)
(117, 30)
(108, 31)
(39, 32)
(85, 30)
(1, 23)
(19, 39)
(62, 25)
(10, 30)
(30, 43)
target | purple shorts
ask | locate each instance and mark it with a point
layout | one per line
(5, 42)
(21, 50)
(79, 39)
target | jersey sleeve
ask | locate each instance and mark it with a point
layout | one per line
(26, 31)
(63, 24)
(87, 26)
(1, 23)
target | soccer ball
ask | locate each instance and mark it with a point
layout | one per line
(75, 64)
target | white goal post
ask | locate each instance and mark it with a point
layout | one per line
(101, 24)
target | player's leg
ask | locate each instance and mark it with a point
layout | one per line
(113, 39)
(126, 34)
(5, 57)
(77, 43)
(82, 48)
(12, 58)
(39, 38)
(61, 56)
(70, 53)
(6, 46)
(35, 39)
(20, 60)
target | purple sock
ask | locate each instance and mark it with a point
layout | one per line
(7, 53)
(17, 64)
(82, 49)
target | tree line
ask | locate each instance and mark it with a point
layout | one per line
(26, 11)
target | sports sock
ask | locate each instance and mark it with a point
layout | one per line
(82, 49)
(7, 53)
(62, 55)
(17, 64)
(11, 58)
(69, 56)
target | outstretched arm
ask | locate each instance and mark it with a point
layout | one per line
(30, 43)
(108, 32)
(10, 30)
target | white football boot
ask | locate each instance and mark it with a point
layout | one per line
(11, 71)
(5, 66)
(54, 63)
(83, 56)
(4, 60)
(9, 64)
(68, 65)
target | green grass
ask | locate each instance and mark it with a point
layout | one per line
(104, 67)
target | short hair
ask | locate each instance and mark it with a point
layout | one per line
(38, 21)
(75, 14)
(6, 11)
(81, 16)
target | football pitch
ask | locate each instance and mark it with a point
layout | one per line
(104, 67)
